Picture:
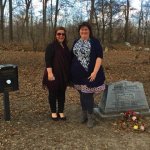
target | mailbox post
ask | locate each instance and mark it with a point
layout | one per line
(8, 83)
(6, 106)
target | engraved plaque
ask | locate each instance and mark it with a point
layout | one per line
(123, 96)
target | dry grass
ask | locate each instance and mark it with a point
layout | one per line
(31, 128)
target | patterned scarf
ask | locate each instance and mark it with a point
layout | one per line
(82, 51)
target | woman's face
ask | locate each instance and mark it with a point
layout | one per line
(84, 32)
(60, 35)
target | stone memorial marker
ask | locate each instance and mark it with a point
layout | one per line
(122, 96)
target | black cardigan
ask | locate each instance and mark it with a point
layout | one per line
(49, 55)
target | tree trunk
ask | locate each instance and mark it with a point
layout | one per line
(97, 26)
(146, 27)
(110, 22)
(139, 29)
(92, 11)
(52, 15)
(51, 26)
(56, 14)
(103, 22)
(145, 33)
(44, 20)
(28, 3)
(146, 22)
(127, 20)
(2, 7)
(139, 23)
(31, 30)
(10, 21)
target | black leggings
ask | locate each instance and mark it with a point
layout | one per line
(54, 97)
(87, 102)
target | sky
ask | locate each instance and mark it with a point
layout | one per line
(136, 3)
(38, 6)
(78, 9)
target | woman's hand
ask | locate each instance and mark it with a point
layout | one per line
(92, 76)
(96, 69)
(44, 87)
(51, 76)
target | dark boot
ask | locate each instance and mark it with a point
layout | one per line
(83, 118)
(91, 121)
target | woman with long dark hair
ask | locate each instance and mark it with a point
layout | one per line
(56, 76)
(87, 71)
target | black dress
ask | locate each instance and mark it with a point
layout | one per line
(57, 58)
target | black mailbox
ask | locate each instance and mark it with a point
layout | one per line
(8, 83)
(8, 78)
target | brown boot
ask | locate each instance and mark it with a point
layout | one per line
(91, 121)
(83, 118)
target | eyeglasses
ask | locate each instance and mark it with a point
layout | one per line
(59, 34)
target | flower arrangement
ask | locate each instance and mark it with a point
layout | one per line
(132, 120)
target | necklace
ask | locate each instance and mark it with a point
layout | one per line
(61, 44)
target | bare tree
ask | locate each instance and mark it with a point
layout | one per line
(103, 22)
(97, 25)
(28, 4)
(44, 19)
(103, 11)
(52, 14)
(10, 21)
(2, 7)
(127, 10)
(110, 22)
(50, 19)
(140, 21)
(56, 13)
(92, 11)
(146, 21)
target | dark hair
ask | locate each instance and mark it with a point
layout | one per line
(86, 24)
(60, 28)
